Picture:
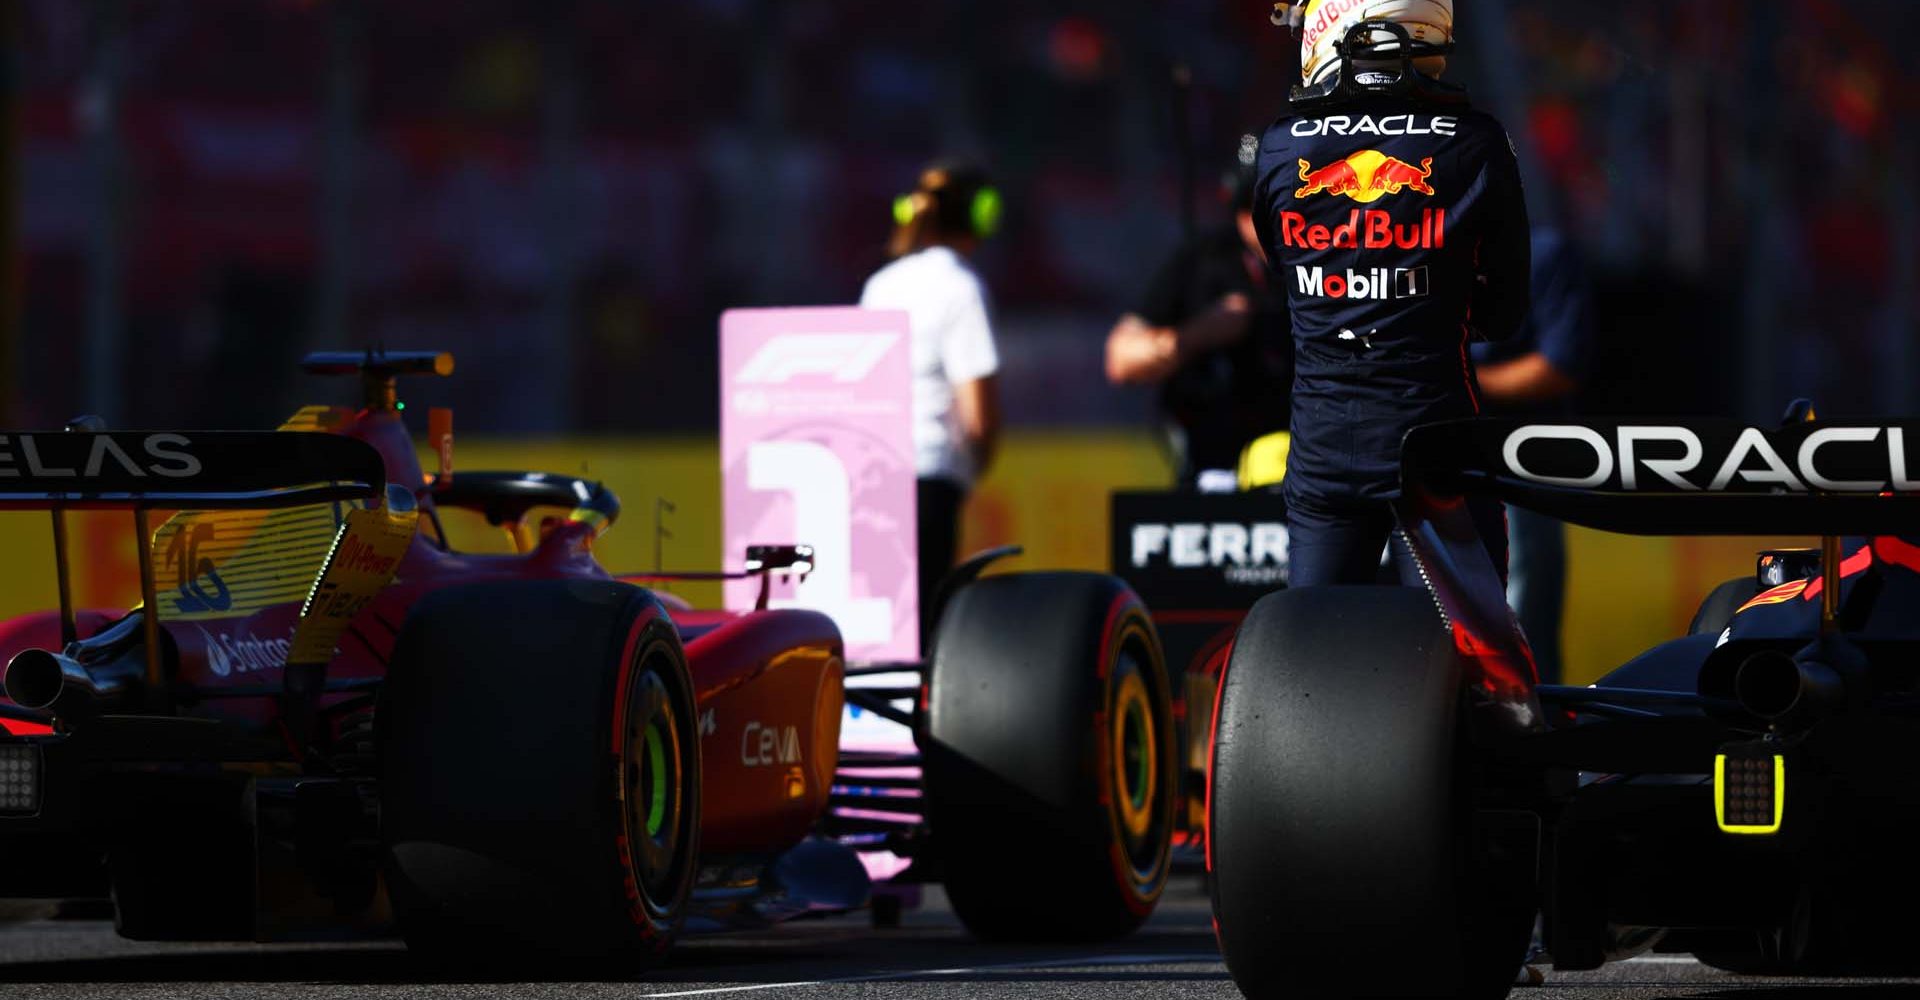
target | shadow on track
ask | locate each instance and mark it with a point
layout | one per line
(776, 957)
(1813, 991)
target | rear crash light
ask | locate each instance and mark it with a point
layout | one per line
(19, 780)
(1749, 790)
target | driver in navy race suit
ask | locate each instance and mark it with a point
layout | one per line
(1391, 212)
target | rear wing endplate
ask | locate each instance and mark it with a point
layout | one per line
(1683, 477)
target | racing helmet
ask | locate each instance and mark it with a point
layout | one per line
(1328, 37)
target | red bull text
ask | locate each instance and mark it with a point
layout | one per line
(1369, 229)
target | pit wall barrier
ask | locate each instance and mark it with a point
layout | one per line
(1048, 492)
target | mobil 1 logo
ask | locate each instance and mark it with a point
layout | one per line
(1377, 284)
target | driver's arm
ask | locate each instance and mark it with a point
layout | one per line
(976, 407)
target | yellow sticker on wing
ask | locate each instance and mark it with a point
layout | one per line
(211, 564)
(365, 556)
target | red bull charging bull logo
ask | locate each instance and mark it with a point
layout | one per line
(1365, 176)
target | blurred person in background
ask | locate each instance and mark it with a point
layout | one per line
(956, 404)
(1212, 334)
(1392, 212)
(1536, 375)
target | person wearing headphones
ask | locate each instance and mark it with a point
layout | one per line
(1392, 213)
(956, 407)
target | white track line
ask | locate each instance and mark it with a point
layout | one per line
(878, 977)
(1664, 960)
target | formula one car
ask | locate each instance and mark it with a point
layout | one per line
(324, 721)
(1388, 778)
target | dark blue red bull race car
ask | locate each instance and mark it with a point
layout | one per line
(327, 720)
(1392, 791)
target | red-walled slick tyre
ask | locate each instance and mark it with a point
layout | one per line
(1050, 761)
(540, 773)
(1343, 855)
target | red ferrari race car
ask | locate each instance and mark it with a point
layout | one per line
(324, 720)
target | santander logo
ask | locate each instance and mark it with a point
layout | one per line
(230, 654)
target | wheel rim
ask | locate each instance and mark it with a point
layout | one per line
(1140, 798)
(653, 775)
(1134, 751)
(657, 778)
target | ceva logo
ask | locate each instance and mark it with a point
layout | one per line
(763, 746)
(844, 357)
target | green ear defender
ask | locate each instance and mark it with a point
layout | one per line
(984, 213)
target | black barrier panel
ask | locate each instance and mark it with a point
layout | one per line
(1200, 550)
(1707, 477)
(183, 468)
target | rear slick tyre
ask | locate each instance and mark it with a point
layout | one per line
(1341, 849)
(540, 774)
(1049, 751)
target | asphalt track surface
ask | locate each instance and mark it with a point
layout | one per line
(928, 958)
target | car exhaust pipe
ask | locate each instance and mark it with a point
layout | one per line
(1788, 691)
(49, 682)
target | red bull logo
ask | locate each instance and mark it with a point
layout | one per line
(1366, 176)
(1366, 229)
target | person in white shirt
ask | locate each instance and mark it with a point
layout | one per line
(956, 406)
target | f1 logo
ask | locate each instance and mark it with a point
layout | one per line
(1409, 282)
(845, 357)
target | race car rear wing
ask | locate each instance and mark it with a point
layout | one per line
(1683, 477)
(143, 471)
(200, 470)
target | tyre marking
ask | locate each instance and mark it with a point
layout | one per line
(1128, 616)
(628, 668)
(1213, 747)
(623, 846)
(1122, 602)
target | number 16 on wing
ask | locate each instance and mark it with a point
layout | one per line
(816, 448)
